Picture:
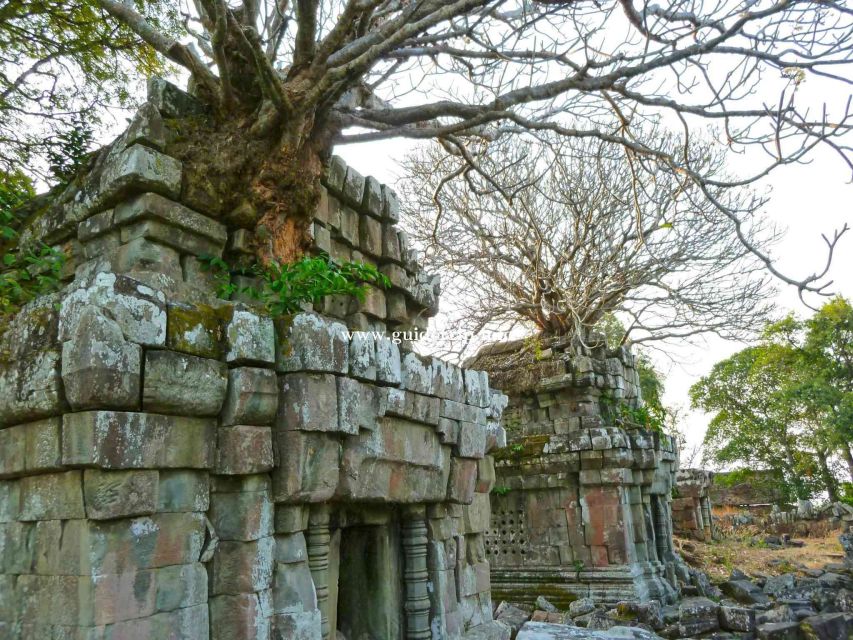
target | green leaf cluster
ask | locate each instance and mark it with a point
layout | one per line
(25, 273)
(285, 288)
(786, 404)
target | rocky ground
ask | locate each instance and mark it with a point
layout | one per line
(803, 592)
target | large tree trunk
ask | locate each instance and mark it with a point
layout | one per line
(829, 480)
(796, 479)
(255, 163)
(848, 458)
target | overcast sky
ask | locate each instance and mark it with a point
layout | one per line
(806, 200)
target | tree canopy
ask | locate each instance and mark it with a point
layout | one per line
(568, 238)
(287, 80)
(62, 62)
(783, 404)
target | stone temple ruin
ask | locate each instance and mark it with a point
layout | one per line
(691, 508)
(176, 465)
(173, 465)
(582, 505)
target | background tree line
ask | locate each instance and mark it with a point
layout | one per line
(786, 404)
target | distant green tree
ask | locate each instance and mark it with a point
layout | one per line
(786, 404)
(61, 63)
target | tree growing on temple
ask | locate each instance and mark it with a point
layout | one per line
(285, 81)
(561, 235)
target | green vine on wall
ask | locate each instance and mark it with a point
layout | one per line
(284, 288)
(622, 413)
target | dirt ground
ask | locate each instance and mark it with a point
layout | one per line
(746, 551)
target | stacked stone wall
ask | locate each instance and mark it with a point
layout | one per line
(582, 504)
(173, 465)
(691, 506)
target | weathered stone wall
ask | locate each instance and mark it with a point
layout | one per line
(582, 504)
(173, 465)
(691, 506)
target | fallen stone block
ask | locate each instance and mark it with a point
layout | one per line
(737, 619)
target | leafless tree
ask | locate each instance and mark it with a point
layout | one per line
(287, 80)
(560, 235)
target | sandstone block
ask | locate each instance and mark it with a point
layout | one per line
(417, 374)
(181, 586)
(390, 205)
(308, 402)
(372, 200)
(388, 363)
(448, 430)
(299, 625)
(472, 440)
(477, 388)
(495, 436)
(357, 406)
(140, 168)
(95, 226)
(171, 101)
(311, 342)
(308, 466)
(31, 388)
(146, 128)
(476, 516)
(370, 236)
(463, 479)
(239, 617)
(31, 447)
(242, 567)
(194, 329)
(485, 474)
(250, 339)
(151, 206)
(244, 449)
(183, 491)
(118, 494)
(293, 588)
(290, 518)
(52, 496)
(290, 548)
(9, 501)
(353, 187)
(99, 368)
(119, 440)
(139, 310)
(252, 397)
(242, 516)
(362, 356)
(180, 384)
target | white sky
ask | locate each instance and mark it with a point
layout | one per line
(807, 200)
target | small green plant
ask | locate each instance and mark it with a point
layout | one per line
(501, 490)
(285, 288)
(24, 273)
(579, 566)
(517, 448)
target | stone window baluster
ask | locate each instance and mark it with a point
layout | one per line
(318, 538)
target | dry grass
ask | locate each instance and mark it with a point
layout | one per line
(718, 558)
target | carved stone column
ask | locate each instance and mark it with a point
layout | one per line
(318, 539)
(415, 574)
(705, 503)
